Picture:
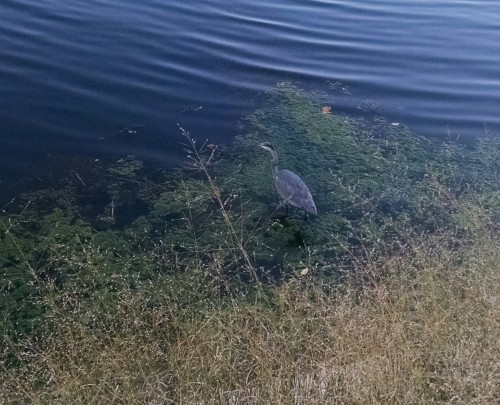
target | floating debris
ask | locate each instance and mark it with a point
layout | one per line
(192, 108)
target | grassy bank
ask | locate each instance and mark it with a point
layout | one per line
(428, 332)
(192, 288)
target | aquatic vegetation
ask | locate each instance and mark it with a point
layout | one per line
(118, 277)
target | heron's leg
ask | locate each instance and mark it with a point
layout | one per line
(286, 210)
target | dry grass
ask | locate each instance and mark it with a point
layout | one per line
(426, 332)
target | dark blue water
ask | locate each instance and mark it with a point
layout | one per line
(75, 71)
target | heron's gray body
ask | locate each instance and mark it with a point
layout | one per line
(294, 191)
(290, 186)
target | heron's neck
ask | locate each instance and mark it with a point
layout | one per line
(275, 171)
(274, 163)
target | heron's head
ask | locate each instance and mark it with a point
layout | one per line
(267, 146)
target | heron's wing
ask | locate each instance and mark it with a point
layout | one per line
(294, 191)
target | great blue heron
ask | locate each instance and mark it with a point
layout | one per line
(290, 186)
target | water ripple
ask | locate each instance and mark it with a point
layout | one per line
(76, 71)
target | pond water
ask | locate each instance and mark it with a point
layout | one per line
(75, 73)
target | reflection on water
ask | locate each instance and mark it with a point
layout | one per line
(77, 71)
